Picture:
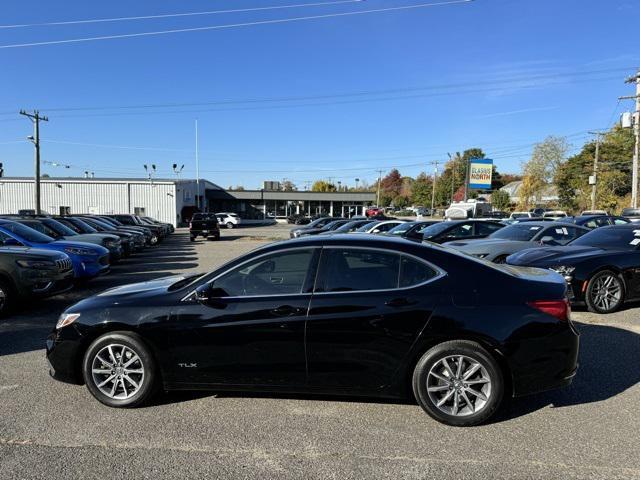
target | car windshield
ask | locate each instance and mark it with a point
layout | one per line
(58, 227)
(366, 226)
(83, 227)
(436, 228)
(610, 238)
(400, 229)
(518, 231)
(28, 234)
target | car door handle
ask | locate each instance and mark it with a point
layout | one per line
(285, 311)
(277, 280)
(400, 302)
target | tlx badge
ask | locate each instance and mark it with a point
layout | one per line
(187, 365)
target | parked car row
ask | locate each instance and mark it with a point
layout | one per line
(41, 256)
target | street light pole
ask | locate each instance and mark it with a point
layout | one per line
(636, 128)
(596, 158)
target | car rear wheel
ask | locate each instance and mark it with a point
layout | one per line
(458, 383)
(605, 292)
(230, 225)
(119, 370)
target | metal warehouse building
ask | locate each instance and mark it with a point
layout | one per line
(167, 200)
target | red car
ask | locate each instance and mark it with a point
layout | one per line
(374, 211)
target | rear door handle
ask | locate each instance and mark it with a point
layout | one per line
(400, 302)
(285, 311)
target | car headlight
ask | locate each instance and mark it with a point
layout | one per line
(35, 264)
(564, 270)
(111, 244)
(480, 255)
(66, 319)
(79, 251)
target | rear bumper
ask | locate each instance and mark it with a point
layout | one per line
(545, 363)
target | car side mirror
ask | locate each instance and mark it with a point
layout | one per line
(546, 239)
(210, 295)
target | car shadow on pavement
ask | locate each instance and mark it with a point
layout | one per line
(27, 328)
(603, 349)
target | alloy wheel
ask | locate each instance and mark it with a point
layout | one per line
(459, 385)
(606, 293)
(117, 371)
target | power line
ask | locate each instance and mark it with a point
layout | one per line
(452, 88)
(175, 15)
(232, 25)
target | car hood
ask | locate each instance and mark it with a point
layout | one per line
(62, 244)
(550, 256)
(95, 238)
(486, 244)
(159, 285)
(41, 252)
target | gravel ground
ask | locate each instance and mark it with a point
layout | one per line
(53, 430)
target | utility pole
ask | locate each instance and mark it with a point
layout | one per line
(433, 186)
(636, 128)
(35, 118)
(596, 158)
(197, 170)
(453, 175)
(466, 179)
(379, 182)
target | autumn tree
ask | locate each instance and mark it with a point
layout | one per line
(540, 170)
(323, 186)
(500, 200)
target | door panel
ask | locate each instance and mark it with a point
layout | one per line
(241, 341)
(358, 339)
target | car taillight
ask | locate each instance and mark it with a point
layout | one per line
(561, 309)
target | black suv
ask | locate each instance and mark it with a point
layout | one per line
(204, 225)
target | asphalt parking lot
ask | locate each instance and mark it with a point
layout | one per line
(53, 430)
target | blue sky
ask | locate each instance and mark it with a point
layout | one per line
(398, 88)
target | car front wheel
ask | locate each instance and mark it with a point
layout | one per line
(119, 370)
(230, 225)
(605, 292)
(6, 297)
(458, 383)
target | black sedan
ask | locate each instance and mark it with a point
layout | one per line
(340, 314)
(595, 221)
(412, 230)
(460, 229)
(602, 267)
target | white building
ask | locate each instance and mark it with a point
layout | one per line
(166, 200)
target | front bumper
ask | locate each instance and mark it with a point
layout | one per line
(89, 267)
(45, 283)
(63, 349)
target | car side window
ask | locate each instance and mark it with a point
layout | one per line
(386, 227)
(348, 270)
(574, 232)
(460, 231)
(601, 222)
(11, 241)
(414, 272)
(560, 235)
(486, 228)
(277, 274)
(620, 221)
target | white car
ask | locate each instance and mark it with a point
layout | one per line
(518, 215)
(229, 220)
(379, 226)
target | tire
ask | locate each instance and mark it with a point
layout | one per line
(7, 294)
(102, 362)
(488, 394)
(193, 239)
(230, 225)
(609, 282)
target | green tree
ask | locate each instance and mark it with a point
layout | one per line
(400, 201)
(500, 200)
(421, 191)
(323, 186)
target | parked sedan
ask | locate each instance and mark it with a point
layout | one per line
(88, 260)
(460, 229)
(595, 221)
(328, 228)
(412, 230)
(316, 224)
(348, 227)
(601, 267)
(138, 238)
(520, 236)
(341, 314)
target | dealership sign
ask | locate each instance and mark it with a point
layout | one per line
(480, 170)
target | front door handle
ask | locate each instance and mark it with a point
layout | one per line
(285, 311)
(400, 302)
